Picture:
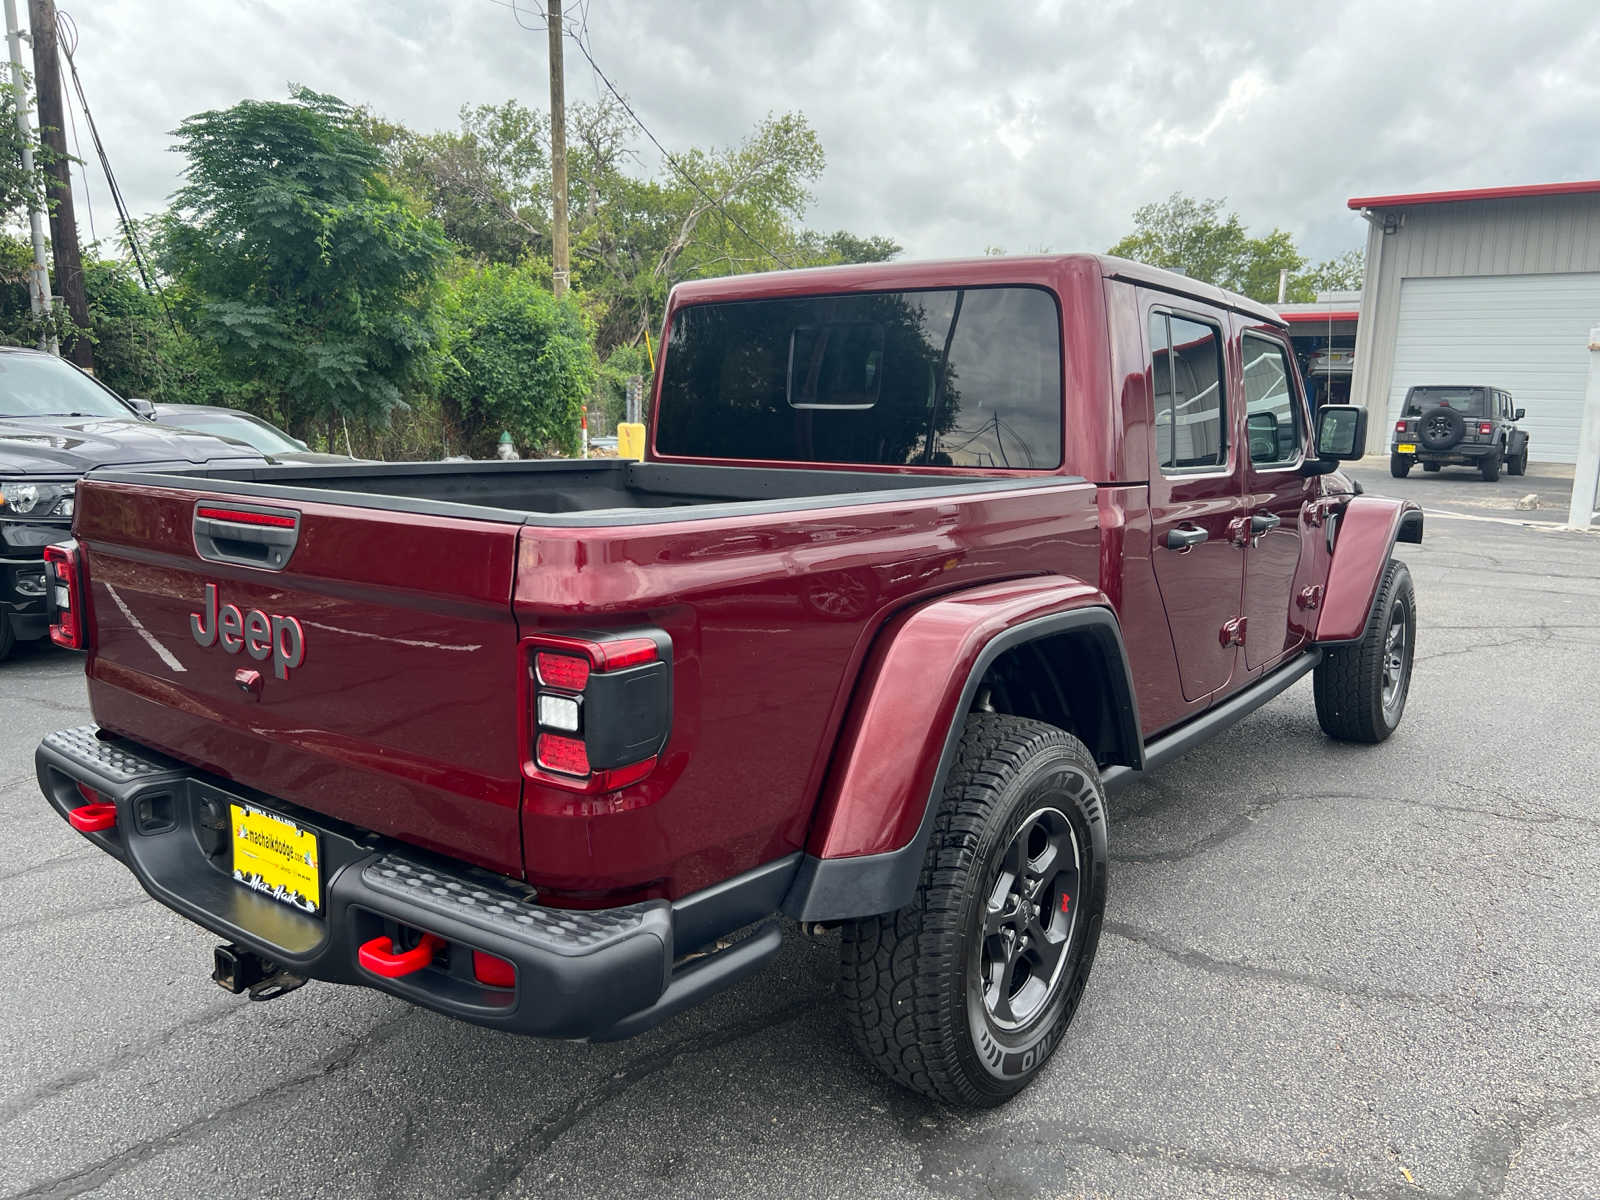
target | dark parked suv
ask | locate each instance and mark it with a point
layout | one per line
(1459, 426)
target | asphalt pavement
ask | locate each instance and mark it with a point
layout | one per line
(1327, 970)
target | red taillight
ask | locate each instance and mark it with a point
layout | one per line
(598, 709)
(1485, 427)
(66, 595)
(564, 754)
(562, 671)
(1399, 426)
(493, 970)
(626, 652)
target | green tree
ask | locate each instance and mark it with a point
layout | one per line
(310, 274)
(488, 184)
(1195, 237)
(1345, 273)
(516, 359)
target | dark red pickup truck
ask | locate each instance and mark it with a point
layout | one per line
(923, 561)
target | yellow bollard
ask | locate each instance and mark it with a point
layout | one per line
(630, 440)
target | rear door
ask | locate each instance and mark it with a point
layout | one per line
(368, 674)
(1194, 487)
(1276, 493)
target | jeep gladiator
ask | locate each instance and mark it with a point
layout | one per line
(922, 562)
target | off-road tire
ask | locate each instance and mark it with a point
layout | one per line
(1489, 466)
(912, 981)
(1400, 465)
(1432, 468)
(1519, 464)
(7, 639)
(1349, 683)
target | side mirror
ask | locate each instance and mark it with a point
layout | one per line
(1519, 414)
(1341, 432)
(145, 408)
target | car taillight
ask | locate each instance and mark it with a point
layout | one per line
(1485, 427)
(599, 708)
(64, 580)
(1399, 426)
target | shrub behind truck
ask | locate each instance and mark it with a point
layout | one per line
(922, 561)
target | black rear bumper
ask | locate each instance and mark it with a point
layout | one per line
(578, 974)
(1460, 454)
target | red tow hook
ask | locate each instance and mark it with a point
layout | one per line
(380, 957)
(93, 818)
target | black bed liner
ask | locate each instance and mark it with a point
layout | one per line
(561, 492)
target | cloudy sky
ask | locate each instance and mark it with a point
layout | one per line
(950, 126)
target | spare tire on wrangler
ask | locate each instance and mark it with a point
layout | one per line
(1441, 428)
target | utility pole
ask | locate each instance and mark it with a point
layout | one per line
(53, 133)
(558, 154)
(38, 275)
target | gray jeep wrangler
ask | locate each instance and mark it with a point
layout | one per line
(1459, 426)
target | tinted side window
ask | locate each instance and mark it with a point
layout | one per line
(968, 377)
(1186, 378)
(1272, 417)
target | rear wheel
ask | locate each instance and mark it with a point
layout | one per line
(1361, 688)
(7, 638)
(1400, 465)
(1489, 465)
(964, 994)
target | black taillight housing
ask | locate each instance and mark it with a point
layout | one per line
(598, 705)
(64, 595)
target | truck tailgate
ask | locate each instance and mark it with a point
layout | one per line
(372, 678)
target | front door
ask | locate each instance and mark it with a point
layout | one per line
(1276, 494)
(1194, 488)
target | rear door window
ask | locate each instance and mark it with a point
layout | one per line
(1190, 402)
(957, 377)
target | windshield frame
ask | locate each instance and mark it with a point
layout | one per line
(123, 410)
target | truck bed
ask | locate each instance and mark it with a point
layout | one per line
(416, 587)
(569, 493)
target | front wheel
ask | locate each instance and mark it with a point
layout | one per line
(1361, 688)
(1400, 465)
(1519, 464)
(964, 994)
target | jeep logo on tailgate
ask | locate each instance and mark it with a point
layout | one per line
(257, 633)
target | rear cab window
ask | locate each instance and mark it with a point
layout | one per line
(960, 377)
(1471, 401)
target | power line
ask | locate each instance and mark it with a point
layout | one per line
(672, 161)
(129, 231)
(67, 31)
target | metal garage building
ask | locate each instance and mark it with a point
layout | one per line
(1498, 286)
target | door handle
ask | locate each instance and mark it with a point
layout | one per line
(1261, 522)
(1185, 539)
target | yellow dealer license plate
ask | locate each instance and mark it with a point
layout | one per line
(1406, 448)
(276, 857)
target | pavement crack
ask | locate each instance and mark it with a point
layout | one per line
(1021, 1157)
(90, 1178)
(1258, 806)
(57, 918)
(49, 864)
(21, 1105)
(504, 1168)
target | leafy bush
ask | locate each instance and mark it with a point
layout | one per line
(516, 359)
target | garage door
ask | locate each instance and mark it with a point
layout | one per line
(1528, 334)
